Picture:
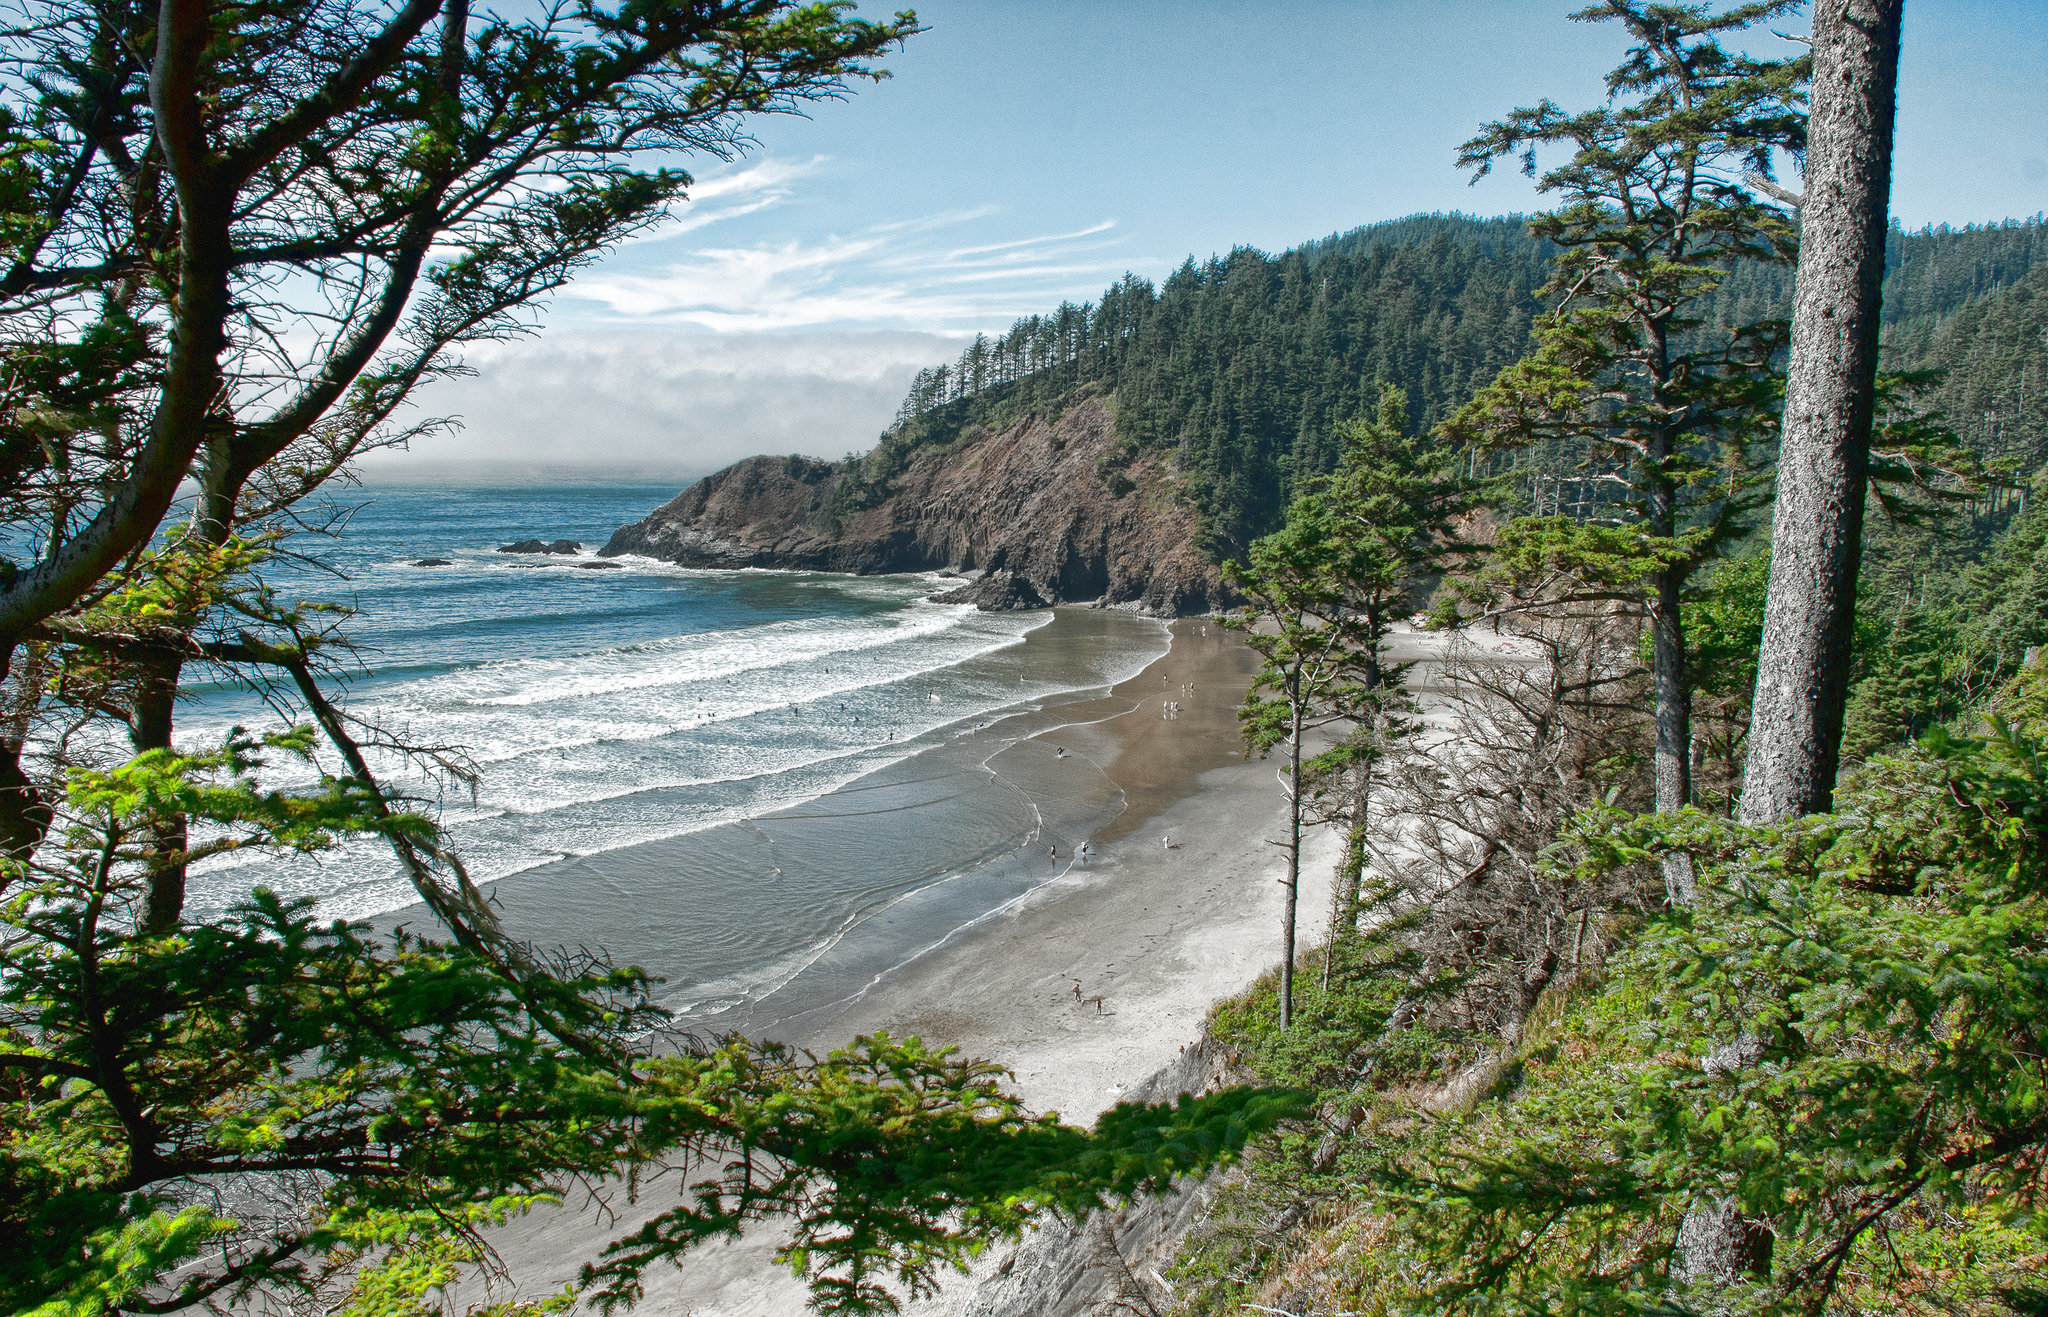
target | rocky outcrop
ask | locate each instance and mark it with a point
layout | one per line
(542, 546)
(1027, 511)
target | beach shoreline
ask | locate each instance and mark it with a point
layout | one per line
(1084, 986)
(1179, 907)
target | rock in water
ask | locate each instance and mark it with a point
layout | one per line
(542, 546)
(997, 592)
(1028, 507)
(434, 562)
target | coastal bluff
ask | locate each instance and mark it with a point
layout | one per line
(1032, 513)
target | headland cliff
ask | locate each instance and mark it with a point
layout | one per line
(1036, 513)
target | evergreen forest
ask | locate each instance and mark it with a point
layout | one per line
(1580, 1031)
(1589, 1032)
(1584, 1034)
(1245, 365)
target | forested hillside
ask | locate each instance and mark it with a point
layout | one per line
(1590, 1032)
(1245, 364)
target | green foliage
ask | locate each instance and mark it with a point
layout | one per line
(1655, 215)
(436, 1089)
(1834, 1040)
(897, 1162)
(1355, 1044)
(1309, 644)
(1943, 622)
(1553, 562)
(1671, 420)
(1725, 625)
(1936, 272)
(1327, 589)
(1323, 593)
(1992, 360)
(1246, 365)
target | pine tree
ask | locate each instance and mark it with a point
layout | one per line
(1325, 592)
(1672, 421)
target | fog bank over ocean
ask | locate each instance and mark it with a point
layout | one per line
(663, 404)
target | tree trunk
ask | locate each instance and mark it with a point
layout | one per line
(24, 815)
(1351, 877)
(1802, 679)
(150, 729)
(1673, 765)
(1293, 869)
(1802, 682)
(1674, 705)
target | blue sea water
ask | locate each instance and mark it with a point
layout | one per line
(718, 774)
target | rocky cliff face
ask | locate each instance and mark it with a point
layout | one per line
(1026, 512)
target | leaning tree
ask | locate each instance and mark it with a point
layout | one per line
(237, 240)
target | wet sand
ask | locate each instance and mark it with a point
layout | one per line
(1158, 933)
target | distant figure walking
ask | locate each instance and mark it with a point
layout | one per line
(1077, 990)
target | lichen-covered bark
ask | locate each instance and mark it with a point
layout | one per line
(1802, 675)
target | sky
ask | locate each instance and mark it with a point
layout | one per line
(1023, 153)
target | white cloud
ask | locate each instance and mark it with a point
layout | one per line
(813, 337)
(892, 274)
(676, 402)
(732, 192)
(1090, 231)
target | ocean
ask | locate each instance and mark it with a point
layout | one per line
(733, 779)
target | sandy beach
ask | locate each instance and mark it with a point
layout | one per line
(1178, 907)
